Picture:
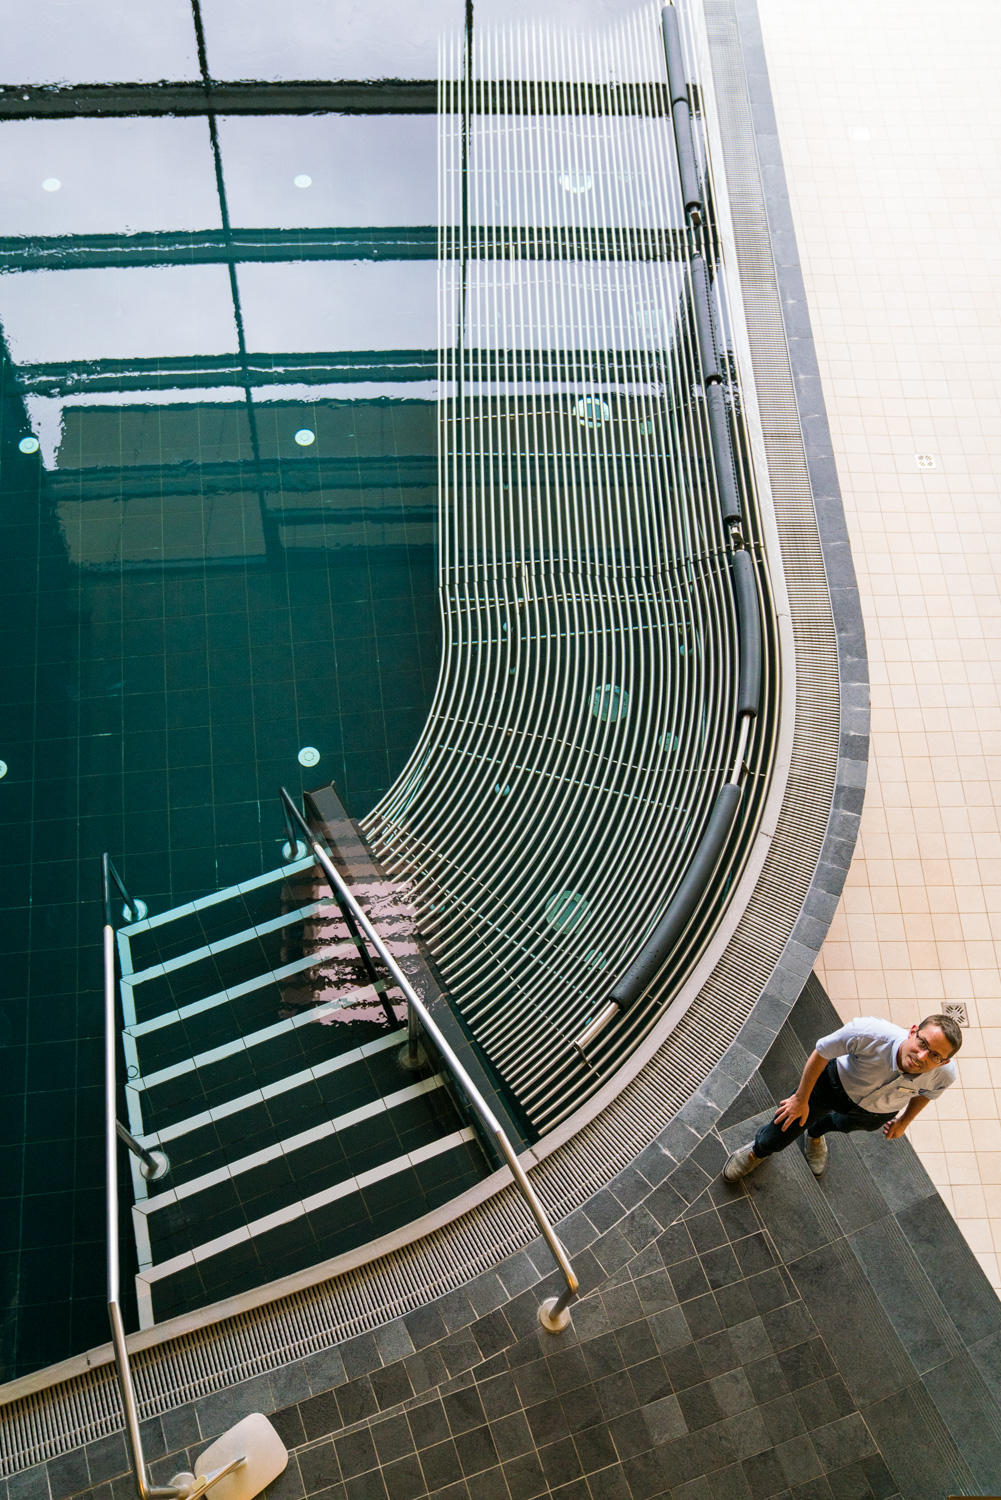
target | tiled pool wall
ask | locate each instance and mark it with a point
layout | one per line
(155, 697)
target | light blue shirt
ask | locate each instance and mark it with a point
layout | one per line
(867, 1053)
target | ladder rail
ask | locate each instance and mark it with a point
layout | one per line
(554, 1313)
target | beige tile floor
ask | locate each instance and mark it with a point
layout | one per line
(889, 114)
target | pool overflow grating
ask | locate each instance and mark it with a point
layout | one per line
(291, 1141)
(593, 772)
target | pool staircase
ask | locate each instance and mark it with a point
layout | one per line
(268, 1061)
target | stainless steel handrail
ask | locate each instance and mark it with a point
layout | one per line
(130, 1408)
(184, 1486)
(554, 1313)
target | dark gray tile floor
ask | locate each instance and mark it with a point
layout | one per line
(786, 1339)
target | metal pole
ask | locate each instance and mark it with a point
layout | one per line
(553, 1313)
(130, 1410)
(293, 838)
(367, 963)
(414, 1059)
(134, 910)
(155, 1164)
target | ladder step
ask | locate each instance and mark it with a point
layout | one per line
(293, 1169)
(282, 1098)
(156, 991)
(303, 1233)
(264, 1057)
(168, 933)
(176, 1035)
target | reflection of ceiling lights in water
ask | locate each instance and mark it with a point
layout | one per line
(302, 180)
(591, 411)
(28, 445)
(52, 184)
(308, 756)
(575, 182)
(304, 437)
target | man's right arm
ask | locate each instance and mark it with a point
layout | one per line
(795, 1109)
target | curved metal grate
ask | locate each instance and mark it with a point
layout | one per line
(585, 714)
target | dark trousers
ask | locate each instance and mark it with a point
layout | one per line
(830, 1109)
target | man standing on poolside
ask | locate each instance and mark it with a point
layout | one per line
(867, 1074)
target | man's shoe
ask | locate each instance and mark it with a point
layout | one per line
(816, 1154)
(740, 1163)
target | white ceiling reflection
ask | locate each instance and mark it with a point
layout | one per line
(538, 169)
(327, 38)
(97, 41)
(318, 171)
(46, 413)
(360, 390)
(587, 41)
(135, 313)
(333, 305)
(553, 305)
(111, 176)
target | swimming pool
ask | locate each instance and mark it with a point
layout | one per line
(343, 443)
(218, 550)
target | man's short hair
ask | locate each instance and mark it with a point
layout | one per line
(949, 1028)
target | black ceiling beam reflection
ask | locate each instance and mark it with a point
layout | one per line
(418, 242)
(206, 371)
(635, 366)
(292, 476)
(564, 243)
(215, 246)
(344, 367)
(46, 102)
(348, 97)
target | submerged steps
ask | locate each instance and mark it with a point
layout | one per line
(261, 1058)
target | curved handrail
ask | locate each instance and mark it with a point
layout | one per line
(682, 906)
(553, 1314)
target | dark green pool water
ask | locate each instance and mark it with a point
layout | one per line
(214, 554)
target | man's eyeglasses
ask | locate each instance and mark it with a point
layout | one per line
(936, 1057)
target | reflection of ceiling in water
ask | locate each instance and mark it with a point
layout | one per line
(180, 484)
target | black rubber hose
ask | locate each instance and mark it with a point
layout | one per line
(704, 321)
(651, 958)
(748, 633)
(681, 114)
(726, 476)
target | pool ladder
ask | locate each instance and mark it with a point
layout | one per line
(259, 1149)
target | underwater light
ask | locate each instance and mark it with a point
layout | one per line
(302, 180)
(52, 184)
(28, 445)
(304, 437)
(591, 411)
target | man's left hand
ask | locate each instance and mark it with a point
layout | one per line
(894, 1129)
